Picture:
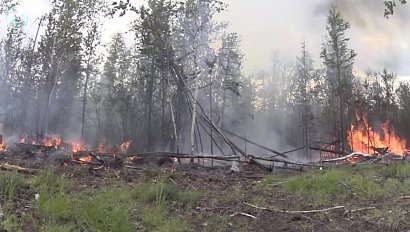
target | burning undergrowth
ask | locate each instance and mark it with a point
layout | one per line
(366, 143)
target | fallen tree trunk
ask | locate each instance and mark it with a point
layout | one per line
(188, 156)
(350, 156)
(11, 167)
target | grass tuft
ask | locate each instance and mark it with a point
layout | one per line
(11, 183)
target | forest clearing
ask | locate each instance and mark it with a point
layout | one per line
(203, 115)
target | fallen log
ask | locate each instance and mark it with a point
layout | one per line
(188, 156)
(270, 159)
(351, 156)
(11, 167)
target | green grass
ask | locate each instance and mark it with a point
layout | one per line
(152, 172)
(10, 223)
(106, 209)
(271, 181)
(109, 208)
(11, 183)
(50, 184)
(151, 192)
(337, 185)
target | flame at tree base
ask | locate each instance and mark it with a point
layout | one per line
(364, 138)
(2, 145)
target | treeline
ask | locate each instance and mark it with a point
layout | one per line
(144, 86)
(65, 81)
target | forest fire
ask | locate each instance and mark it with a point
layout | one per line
(123, 148)
(2, 145)
(77, 147)
(364, 138)
(85, 159)
(53, 141)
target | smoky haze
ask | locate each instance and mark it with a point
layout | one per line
(130, 101)
(269, 26)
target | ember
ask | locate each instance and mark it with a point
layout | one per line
(86, 159)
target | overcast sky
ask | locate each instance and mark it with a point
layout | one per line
(268, 26)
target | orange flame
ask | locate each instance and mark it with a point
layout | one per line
(2, 147)
(363, 138)
(86, 159)
(123, 148)
(53, 141)
(77, 147)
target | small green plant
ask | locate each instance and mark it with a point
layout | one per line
(150, 192)
(403, 170)
(50, 184)
(57, 207)
(11, 183)
(152, 171)
(107, 209)
(154, 216)
(55, 227)
(339, 184)
(321, 187)
(11, 223)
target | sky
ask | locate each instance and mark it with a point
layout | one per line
(268, 27)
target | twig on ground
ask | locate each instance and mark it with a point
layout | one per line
(297, 211)
(358, 210)
(243, 214)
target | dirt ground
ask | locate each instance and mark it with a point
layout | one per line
(223, 207)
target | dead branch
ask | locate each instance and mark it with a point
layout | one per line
(357, 210)
(298, 211)
(133, 167)
(256, 144)
(354, 154)
(11, 167)
(188, 156)
(243, 214)
(270, 159)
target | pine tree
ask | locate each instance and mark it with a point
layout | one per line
(338, 59)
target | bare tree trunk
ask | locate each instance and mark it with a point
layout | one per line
(210, 117)
(194, 117)
(87, 77)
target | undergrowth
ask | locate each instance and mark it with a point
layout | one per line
(360, 182)
(145, 206)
